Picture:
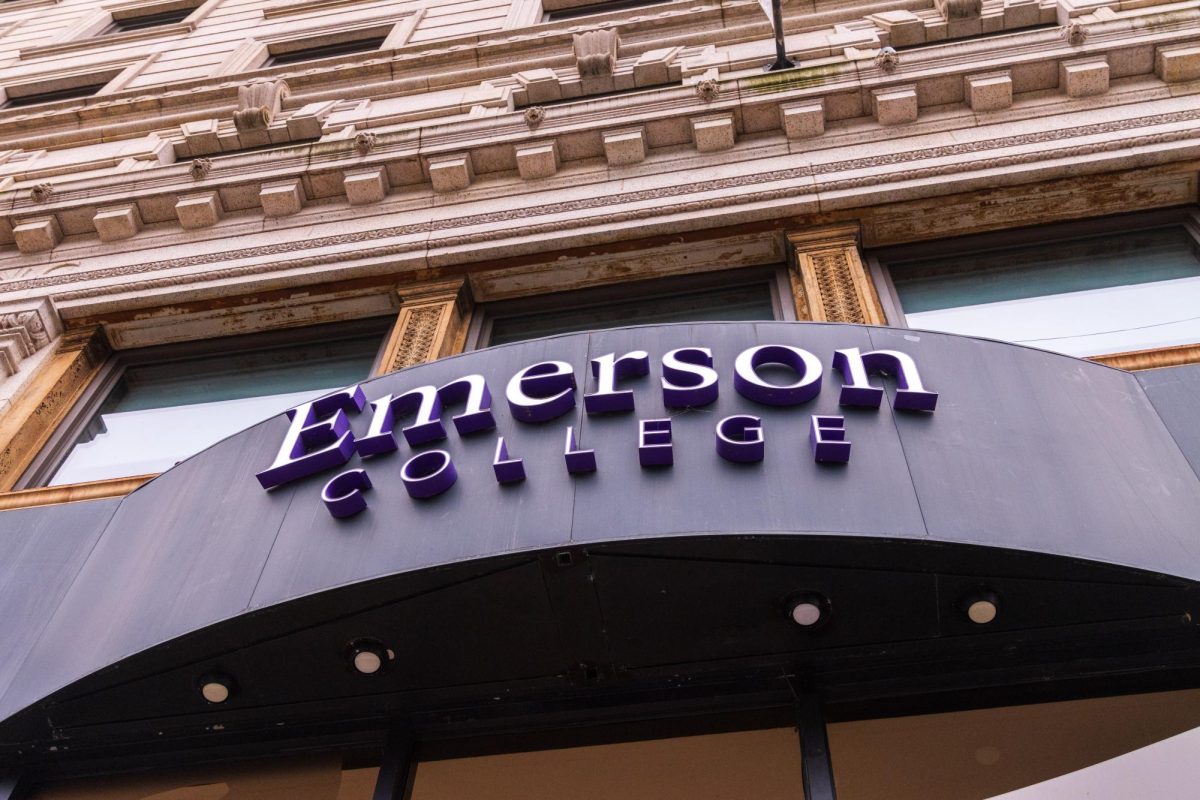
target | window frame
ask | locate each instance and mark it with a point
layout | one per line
(774, 275)
(881, 261)
(57, 447)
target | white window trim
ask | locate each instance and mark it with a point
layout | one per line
(252, 54)
(117, 74)
(84, 34)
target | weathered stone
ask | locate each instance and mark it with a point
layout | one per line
(450, 173)
(1177, 63)
(988, 92)
(895, 106)
(625, 146)
(258, 103)
(365, 186)
(537, 159)
(198, 210)
(596, 52)
(38, 234)
(117, 223)
(713, 132)
(803, 120)
(281, 199)
(1084, 77)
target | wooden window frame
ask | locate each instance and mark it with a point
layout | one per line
(774, 275)
(881, 261)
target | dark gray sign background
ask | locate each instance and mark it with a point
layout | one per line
(1027, 450)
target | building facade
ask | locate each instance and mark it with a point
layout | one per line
(601, 587)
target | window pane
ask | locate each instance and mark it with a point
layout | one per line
(971, 755)
(764, 765)
(318, 777)
(750, 302)
(1106, 294)
(159, 414)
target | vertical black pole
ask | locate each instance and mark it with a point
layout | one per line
(399, 767)
(781, 59)
(814, 749)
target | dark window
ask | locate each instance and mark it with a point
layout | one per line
(325, 51)
(599, 8)
(127, 24)
(152, 408)
(50, 97)
(1084, 295)
(730, 297)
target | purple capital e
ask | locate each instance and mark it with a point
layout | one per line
(318, 438)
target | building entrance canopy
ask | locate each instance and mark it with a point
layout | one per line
(649, 515)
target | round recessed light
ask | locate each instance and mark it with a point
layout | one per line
(808, 610)
(369, 657)
(982, 606)
(216, 689)
(367, 662)
(806, 614)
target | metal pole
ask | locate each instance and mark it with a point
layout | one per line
(781, 59)
(814, 749)
(399, 767)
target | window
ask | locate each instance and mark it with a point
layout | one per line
(58, 94)
(1089, 294)
(972, 755)
(152, 408)
(319, 776)
(745, 295)
(125, 24)
(325, 51)
(762, 764)
(562, 11)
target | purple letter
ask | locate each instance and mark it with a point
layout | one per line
(608, 369)
(313, 427)
(428, 474)
(541, 392)
(827, 435)
(477, 416)
(578, 461)
(688, 379)
(749, 385)
(427, 428)
(654, 443)
(858, 391)
(508, 470)
(343, 494)
(740, 439)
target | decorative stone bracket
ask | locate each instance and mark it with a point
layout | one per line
(258, 103)
(829, 281)
(431, 324)
(23, 333)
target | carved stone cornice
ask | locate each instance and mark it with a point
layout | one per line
(867, 173)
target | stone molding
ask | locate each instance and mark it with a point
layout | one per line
(864, 172)
(430, 325)
(829, 280)
(37, 412)
(402, 146)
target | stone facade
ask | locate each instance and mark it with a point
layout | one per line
(477, 153)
